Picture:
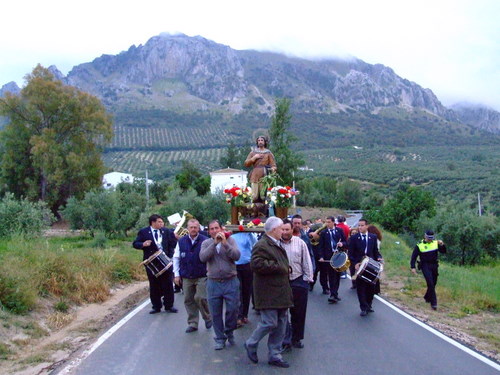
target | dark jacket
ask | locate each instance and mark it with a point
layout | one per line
(325, 242)
(190, 265)
(168, 242)
(357, 248)
(271, 270)
(428, 256)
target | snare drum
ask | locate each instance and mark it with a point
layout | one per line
(158, 263)
(339, 261)
(369, 270)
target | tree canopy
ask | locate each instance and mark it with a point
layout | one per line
(287, 160)
(52, 144)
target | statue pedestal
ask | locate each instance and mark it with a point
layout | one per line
(234, 215)
(281, 212)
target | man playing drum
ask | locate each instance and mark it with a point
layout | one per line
(150, 240)
(360, 245)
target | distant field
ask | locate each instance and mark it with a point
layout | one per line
(458, 172)
(136, 162)
(160, 138)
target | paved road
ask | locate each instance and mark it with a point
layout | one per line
(352, 221)
(338, 341)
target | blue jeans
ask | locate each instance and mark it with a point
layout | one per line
(218, 292)
(272, 322)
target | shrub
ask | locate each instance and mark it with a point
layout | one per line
(470, 239)
(203, 208)
(401, 212)
(23, 217)
(109, 212)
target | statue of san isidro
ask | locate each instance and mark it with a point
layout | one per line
(263, 162)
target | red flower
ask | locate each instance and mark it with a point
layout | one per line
(241, 228)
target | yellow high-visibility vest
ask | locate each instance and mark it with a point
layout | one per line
(425, 247)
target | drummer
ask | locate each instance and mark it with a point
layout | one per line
(360, 245)
(330, 240)
(151, 239)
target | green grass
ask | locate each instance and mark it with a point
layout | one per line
(466, 290)
(69, 269)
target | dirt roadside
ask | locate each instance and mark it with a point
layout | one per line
(79, 328)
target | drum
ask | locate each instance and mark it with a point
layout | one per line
(158, 263)
(339, 261)
(369, 270)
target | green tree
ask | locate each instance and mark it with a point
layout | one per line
(235, 156)
(190, 177)
(53, 141)
(348, 194)
(287, 161)
(401, 212)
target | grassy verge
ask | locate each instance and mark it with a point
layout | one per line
(468, 297)
(73, 270)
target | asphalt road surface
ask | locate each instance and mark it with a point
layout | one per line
(337, 341)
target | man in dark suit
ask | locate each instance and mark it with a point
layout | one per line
(360, 245)
(150, 240)
(329, 240)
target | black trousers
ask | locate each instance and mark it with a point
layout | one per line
(430, 271)
(161, 287)
(245, 276)
(333, 281)
(295, 330)
(366, 291)
(298, 311)
(352, 272)
(322, 269)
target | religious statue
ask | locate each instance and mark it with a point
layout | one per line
(263, 162)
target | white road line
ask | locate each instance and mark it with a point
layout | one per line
(73, 364)
(129, 316)
(476, 355)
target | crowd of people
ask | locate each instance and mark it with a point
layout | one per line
(220, 271)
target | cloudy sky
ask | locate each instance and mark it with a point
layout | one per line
(449, 46)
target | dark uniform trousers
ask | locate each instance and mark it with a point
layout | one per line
(366, 291)
(430, 272)
(245, 276)
(161, 287)
(295, 330)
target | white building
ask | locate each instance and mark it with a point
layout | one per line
(112, 179)
(227, 177)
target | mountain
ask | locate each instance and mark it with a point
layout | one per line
(478, 116)
(11, 87)
(177, 92)
(212, 74)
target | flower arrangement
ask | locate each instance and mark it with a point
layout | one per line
(281, 196)
(238, 196)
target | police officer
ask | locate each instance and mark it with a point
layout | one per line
(428, 250)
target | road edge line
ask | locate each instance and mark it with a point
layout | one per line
(106, 335)
(441, 335)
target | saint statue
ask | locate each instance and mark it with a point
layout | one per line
(263, 162)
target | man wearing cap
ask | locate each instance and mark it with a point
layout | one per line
(272, 293)
(428, 250)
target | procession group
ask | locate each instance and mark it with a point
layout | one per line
(275, 271)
